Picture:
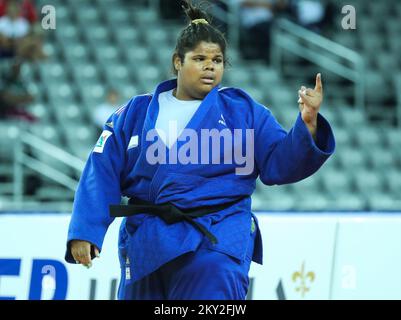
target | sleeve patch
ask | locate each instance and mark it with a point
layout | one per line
(102, 141)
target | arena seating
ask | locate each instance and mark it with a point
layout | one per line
(99, 44)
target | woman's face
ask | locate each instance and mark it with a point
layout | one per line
(201, 70)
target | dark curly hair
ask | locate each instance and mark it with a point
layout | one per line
(195, 33)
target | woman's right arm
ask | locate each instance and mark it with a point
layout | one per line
(98, 188)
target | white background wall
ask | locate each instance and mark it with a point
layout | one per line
(313, 256)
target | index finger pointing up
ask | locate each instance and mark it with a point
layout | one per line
(318, 86)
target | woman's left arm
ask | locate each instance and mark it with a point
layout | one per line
(286, 157)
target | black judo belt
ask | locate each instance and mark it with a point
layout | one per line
(169, 213)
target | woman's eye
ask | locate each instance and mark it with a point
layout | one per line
(218, 60)
(198, 59)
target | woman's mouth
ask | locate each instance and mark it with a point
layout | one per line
(207, 80)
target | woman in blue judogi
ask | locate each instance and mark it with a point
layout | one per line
(188, 156)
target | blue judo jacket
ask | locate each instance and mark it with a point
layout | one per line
(119, 166)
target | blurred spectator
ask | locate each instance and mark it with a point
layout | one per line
(26, 10)
(256, 17)
(313, 14)
(106, 109)
(13, 28)
(14, 96)
(19, 34)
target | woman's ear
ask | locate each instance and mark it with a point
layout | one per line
(177, 62)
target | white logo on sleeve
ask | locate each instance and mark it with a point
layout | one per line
(102, 141)
(133, 142)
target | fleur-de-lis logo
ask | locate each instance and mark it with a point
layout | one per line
(303, 277)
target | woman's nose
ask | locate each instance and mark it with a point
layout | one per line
(208, 66)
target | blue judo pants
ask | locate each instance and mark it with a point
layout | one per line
(201, 275)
